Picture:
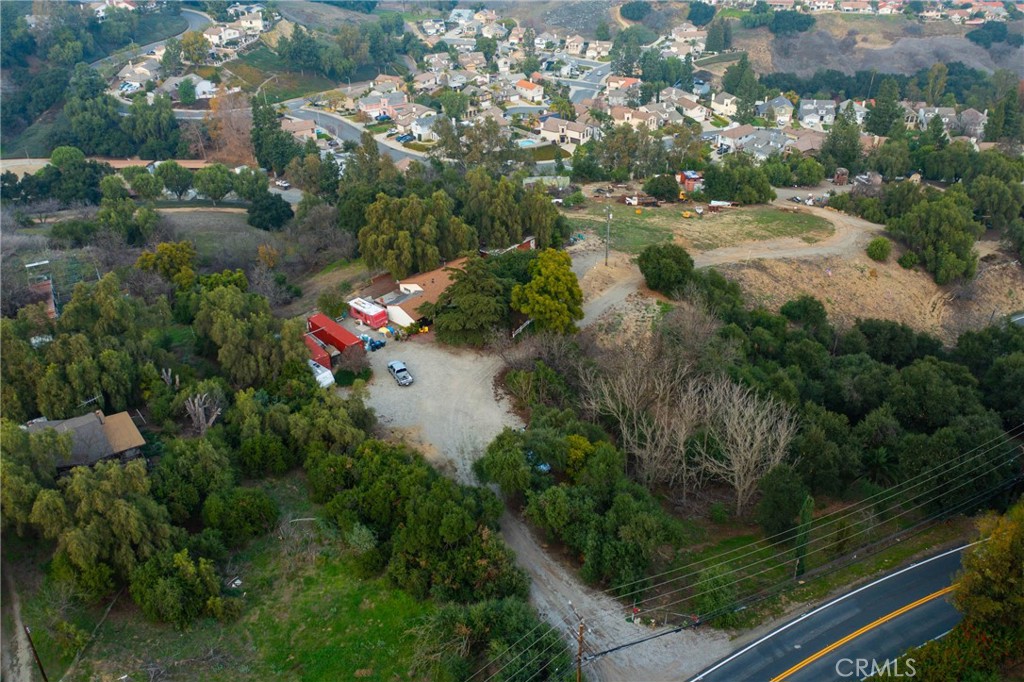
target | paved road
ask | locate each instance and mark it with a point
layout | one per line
(878, 621)
(197, 21)
(587, 86)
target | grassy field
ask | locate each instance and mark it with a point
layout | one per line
(632, 231)
(307, 616)
(35, 142)
(222, 238)
(256, 66)
(719, 59)
(547, 153)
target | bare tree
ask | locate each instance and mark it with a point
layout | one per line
(203, 411)
(229, 123)
(319, 239)
(750, 434)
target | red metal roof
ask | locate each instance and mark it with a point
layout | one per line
(329, 331)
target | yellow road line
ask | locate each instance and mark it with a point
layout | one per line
(857, 633)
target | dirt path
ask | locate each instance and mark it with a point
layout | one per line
(562, 600)
(617, 15)
(17, 655)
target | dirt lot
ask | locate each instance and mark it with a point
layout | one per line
(855, 286)
(889, 44)
(320, 16)
(221, 235)
(451, 412)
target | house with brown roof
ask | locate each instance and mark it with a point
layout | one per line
(560, 131)
(634, 117)
(596, 49)
(300, 129)
(94, 437)
(473, 61)
(574, 44)
(404, 305)
(621, 82)
(530, 91)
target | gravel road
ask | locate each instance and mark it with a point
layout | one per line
(450, 411)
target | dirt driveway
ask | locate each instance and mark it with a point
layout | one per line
(450, 412)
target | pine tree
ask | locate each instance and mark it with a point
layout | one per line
(886, 109)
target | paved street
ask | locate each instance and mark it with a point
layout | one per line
(878, 621)
(197, 21)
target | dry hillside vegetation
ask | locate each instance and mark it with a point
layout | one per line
(892, 44)
(852, 288)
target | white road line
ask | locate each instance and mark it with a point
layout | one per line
(822, 608)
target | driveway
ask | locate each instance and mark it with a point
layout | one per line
(451, 411)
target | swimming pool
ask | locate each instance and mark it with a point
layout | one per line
(526, 143)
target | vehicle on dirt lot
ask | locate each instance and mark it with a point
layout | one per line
(400, 372)
(283, 184)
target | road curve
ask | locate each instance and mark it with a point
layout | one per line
(875, 623)
(196, 22)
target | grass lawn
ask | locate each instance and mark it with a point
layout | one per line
(222, 238)
(307, 616)
(631, 232)
(719, 58)
(547, 153)
(719, 122)
(256, 66)
(382, 127)
(35, 142)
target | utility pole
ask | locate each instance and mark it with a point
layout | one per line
(28, 633)
(607, 236)
(579, 655)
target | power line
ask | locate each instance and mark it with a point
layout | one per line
(755, 598)
(821, 522)
(809, 553)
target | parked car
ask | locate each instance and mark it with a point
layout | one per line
(332, 143)
(393, 131)
(405, 138)
(400, 372)
(382, 117)
(283, 184)
(796, 199)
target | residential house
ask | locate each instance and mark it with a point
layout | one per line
(404, 305)
(688, 31)
(574, 44)
(621, 82)
(252, 22)
(423, 127)
(762, 143)
(494, 30)
(385, 80)
(926, 114)
(503, 63)
(618, 98)
(544, 39)
(860, 110)
(805, 140)
(376, 104)
(855, 7)
(888, 8)
(473, 61)
(597, 49)
(460, 16)
(204, 88)
(515, 36)
(724, 104)
(438, 62)
(407, 114)
(532, 92)
(971, 122)
(958, 16)
(666, 112)
(778, 109)
(300, 129)
(425, 82)
(94, 437)
(634, 117)
(456, 80)
(219, 36)
(817, 112)
(782, 4)
(496, 114)
(486, 16)
(820, 5)
(140, 72)
(910, 114)
(560, 131)
(698, 112)
(730, 137)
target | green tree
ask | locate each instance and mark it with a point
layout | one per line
(936, 83)
(146, 186)
(989, 593)
(717, 599)
(699, 14)
(930, 393)
(28, 465)
(105, 523)
(803, 533)
(194, 47)
(602, 32)
(240, 514)
(892, 159)
(250, 183)
(453, 103)
(666, 267)
(190, 470)
(152, 128)
(663, 187)
(539, 218)
(879, 249)
(175, 177)
(174, 588)
(472, 308)
(187, 91)
(996, 203)
(942, 231)
(553, 298)
(170, 62)
(841, 148)
(269, 212)
(783, 493)
(886, 110)
(213, 182)
(505, 463)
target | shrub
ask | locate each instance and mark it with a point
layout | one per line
(663, 187)
(574, 199)
(908, 260)
(666, 267)
(879, 249)
(635, 11)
